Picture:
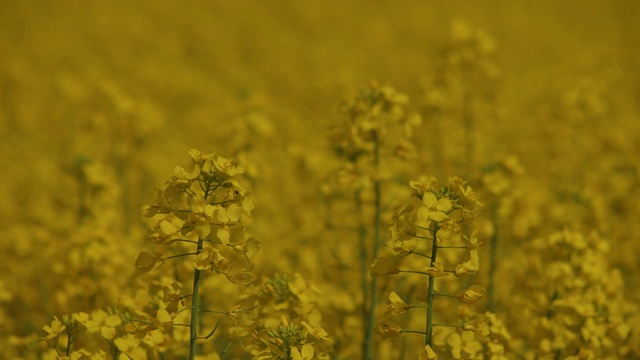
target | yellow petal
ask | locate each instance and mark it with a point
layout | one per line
(113, 320)
(429, 199)
(203, 228)
(224, 234)
(444, 204)
(307, 351)
(234, 212)
(167, 228)
(108, 332)
(247, 206)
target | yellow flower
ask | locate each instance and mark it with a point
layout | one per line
(383, 266)
(423, 185)
(437, 270)
(163, 320)
(130, 348)
(104, 323)
(316, 331)
(434, 209)
(56, 328)
(210, 259)
(470, 266)
(241, 278)
(180, 173)
(202, 228)
(171, 225)
(387, 330)
(84, 354)
(264, 355)
(396, 305)
(464, 345)
(472, 294)
(306, 354)
(473, 241)
(428, 354)
(226, 166)
(248, 248)
(479, 326)
(449, 232)
(81, 317)
(147, 261)
(173, 297)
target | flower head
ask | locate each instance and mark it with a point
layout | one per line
(396, 305)
(434, 209)
(387, 330)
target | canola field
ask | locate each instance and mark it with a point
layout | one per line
(292, 180)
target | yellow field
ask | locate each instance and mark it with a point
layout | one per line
(320, 179)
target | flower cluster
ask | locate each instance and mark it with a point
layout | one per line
(375, 112)
(440, 220)
(426, 234)
(569, 301)
(201, 209)
(289, 322)
(203, 205)
(371, 144)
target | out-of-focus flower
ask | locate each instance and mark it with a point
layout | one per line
(383, 266)
(396, 305)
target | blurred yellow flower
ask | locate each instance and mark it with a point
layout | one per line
(316, 331)
(306, 353)
(104, 323)
(437, 270)
(211, 259)
(54, 329)
(464, 345)
(472, 295)
(470, 266)
(147, 261)
(383, 266)
(396, 305)
(130, 348)
(387, 330)
(428, 354)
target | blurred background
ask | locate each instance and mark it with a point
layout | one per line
(100, 99)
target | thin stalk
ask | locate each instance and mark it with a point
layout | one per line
(412, 332)
(376, 247)
(195, 296)
(69, 341)
(491, 299)
(364, 271)
(469, 128)
(195, 305)
(430, 296)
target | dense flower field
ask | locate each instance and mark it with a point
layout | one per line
(320, 180)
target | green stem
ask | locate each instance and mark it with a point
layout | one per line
(412, 332)
(468, 120)
(419, 254)
(430, 296)
(376, 246)
(491, 299)
(414, 272)
(195, 305)
(195, 296)
(364, 271)
(69, 341)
